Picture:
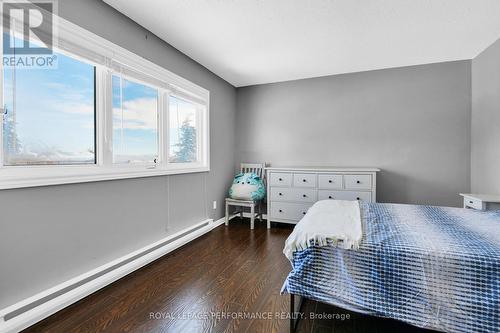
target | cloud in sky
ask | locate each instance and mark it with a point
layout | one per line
(138, 114)
(76, 108)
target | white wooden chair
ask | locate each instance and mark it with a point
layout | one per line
(257, 168)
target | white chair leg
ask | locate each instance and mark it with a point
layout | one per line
(227, 214)
(252, 217)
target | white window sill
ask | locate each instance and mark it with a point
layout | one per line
(21, 177)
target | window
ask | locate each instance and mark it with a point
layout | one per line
(49, 115)
(183, 137)
(103, 113)
(135, 122)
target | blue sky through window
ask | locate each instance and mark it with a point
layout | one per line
(135, 122)
(50, 117)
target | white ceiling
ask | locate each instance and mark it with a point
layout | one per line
(249, 42)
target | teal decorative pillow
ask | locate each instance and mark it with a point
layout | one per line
(247, 186)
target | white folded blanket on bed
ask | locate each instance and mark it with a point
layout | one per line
(336, 221)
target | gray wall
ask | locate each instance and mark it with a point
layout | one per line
(51, 234)
(412, 122)
(485, 143)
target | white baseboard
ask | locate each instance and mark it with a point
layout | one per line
(143, 256)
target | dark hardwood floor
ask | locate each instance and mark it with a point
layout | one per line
(206, 286)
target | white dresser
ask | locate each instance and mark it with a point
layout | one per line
(481, 201)
(292, 190)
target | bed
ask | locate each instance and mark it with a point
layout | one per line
(432, 267)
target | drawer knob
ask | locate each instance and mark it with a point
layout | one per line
(330, 197)
(330, 181)
(358, 182)
(280, 179)
(357, 198)
(280, 193)
(303, 195)
(303, 213)
(304, 180)
(471, 202)
(280, 211)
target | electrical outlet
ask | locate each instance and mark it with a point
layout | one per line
(214, 205)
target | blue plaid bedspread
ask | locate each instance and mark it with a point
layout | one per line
(433, 267)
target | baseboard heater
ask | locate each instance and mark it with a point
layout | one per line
(33, 309)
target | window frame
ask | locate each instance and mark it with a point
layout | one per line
(110, 59)
(2, 102)
(200, 128)
(159, 118)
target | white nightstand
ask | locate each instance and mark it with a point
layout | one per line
(481, 201)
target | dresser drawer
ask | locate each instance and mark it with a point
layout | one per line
(293, 194)
(344, 195)
(280, 179)
(358, 182)
(331, 182)
(289, 211)
(473, 203)
(304, 179)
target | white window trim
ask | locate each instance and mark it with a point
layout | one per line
(159, 115)
(200, 143)
(111, 56)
